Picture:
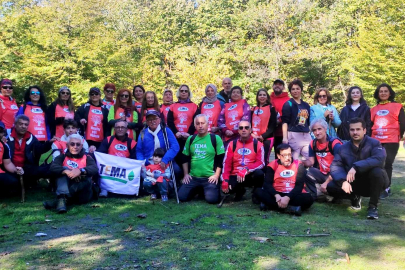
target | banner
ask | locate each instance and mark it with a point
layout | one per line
(119, 175)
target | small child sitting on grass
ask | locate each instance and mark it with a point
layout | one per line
(156, 179)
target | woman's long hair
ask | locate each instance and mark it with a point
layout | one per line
(328, 96)
(117, 104)
(155, 103)
(349, 95)
(376, 92)
(257, 96)
(42, 98)
(69, 103)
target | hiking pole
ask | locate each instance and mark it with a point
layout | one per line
(170, 164)
(22, 189)
(222, 200)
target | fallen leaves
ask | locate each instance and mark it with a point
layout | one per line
(261, 239)
(344, 254)
(143, 215)
(284, 257)
(129, 229)
(95, 206)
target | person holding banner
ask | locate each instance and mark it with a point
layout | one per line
(119, 145)
(74, 170)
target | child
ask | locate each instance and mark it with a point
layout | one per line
(155, 179)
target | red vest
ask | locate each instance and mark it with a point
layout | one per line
(73, 163)
(8, 111)
(108, 104)
(323, 155)
(260, 119)
(284, 178)
(165, 110)
(138, 106)
(386, 124)
(37, 125)
(183, 115)
(119, 149)
(62, 112)
(242, 156)
(120, 113)
(233, 114)
(61, 145)
(1, 157)
(94, 129)
(212, 111)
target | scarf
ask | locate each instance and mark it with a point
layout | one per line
(184, 101)
(384, 102)
(155, 136)
(210, 100)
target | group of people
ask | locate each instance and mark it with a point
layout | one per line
(220, 144)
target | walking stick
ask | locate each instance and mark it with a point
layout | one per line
(22, 189)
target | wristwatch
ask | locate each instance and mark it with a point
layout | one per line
(83, 171)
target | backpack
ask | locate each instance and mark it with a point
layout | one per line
(112, 139)
(329, 148)
(213, 141)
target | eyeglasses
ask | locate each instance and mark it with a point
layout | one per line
(6, 87)
(286, 155)
(35, 93)
(322, 96)
(94, 94)
(183, 91)
(120, 127)
(124, 96)
(244, 127)
(65, 93)
(109, 91)
(75, 144)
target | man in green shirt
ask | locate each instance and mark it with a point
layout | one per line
(204, 153)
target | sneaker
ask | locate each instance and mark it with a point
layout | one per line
(61, 205)
(384, 194)
(255, 199)
(104, 193)
(356, 203)
(389, 192)
(164, 198)
(153, 196)
(372, 212)
(293, 210)
(263, 207)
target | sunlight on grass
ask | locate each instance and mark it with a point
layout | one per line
(221, 233)
(266, 263)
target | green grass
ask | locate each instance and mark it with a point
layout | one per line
(196, 235)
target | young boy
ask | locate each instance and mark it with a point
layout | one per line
(156, 179)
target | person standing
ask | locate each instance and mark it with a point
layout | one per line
(388, 126)
(108, 100)
(149, 102)
(211, 107)
(224, 95)
(8, 106)
(167, 102)
(59, 110)
(138, 91)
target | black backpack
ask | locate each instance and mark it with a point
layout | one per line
(235, 141)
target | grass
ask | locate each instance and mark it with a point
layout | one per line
(107, 234)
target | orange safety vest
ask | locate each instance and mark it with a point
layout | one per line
(61, 145)
(165, 110)
(284, 177)
(212, 111)
(94, 129)
(324, 156)
(37, 125)
(138, 106)
(119, 149)
(260, 119)
(233, 114)
(386, 124)
(120, 113)
(1, 157)
(62, 112)
(183, 115)
(75, 163)
(8, 111)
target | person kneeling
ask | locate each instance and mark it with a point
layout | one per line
(283, 187)
(154, 178)
(73, 170)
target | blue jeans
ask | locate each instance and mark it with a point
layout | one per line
(157, 187)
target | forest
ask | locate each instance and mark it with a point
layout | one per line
(163, 44)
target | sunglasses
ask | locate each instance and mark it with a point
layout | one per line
(243, 127)
(124, 96)
(109, 91)
(35, 93)
(75, 144)
(65, 93)
(6, 87)
(183, 91)
(322, 96)
(120, 127)
(94, 94)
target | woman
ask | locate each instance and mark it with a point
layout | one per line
(211, 107)
(8, 106)
(264, 121)
(356, 106)
(108, 100)
(124, 110)
(295, 118)
(233, 112)
(167, 102)
(323, 109)
(59, 110)
(138, 93)
(388, 126)
(35, 107)
(93, 119)
(150, 102)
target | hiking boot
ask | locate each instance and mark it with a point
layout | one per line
(385, 193)
(50, 204)
(263, 207)
(255, 199)
(103, 193)
(293, 210)
(356, 202)
(165, 198)
(372, 212)
(153, 197)
(61, 205)
(239, 195)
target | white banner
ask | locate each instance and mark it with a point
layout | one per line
(119, 175)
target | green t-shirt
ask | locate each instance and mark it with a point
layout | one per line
(202, 155)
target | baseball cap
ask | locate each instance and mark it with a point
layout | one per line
(152, 112)
(278, 81)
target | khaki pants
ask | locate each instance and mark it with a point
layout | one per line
(299, 142)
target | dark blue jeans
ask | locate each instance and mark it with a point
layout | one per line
(188, 191)
(160, 187)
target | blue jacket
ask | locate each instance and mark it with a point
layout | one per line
(21, 111)
(146, 145)
(223, 98)
(368, 155)
(317, 111)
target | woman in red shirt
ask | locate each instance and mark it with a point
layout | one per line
(59, 110)
(8, 106)
(138, 92)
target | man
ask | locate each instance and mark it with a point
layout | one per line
(278, 98)
(283, 187)
(243, 163)
(118, 145)
(321, 153)
(8, 181)
(26, 150)
(108, 100)
(74, 170)
(223, 95)
(205, 153)
(358, 169)
(70, 127)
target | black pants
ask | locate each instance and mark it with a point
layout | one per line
(9, 184)
(304, 200)
(79, 192)
(267, 144)
(369, 184)
(188, 191)
(392, 151)
(314, 176)
(254, 179)
(277, 141)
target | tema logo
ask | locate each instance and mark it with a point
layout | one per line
(233, 107)
(37, 110)
(321, 154)
(183, 109)
(72, 164)
(260, 111)
(287, 173)
(208, 106)
(120, 147)
(244, 151)
(383, 112)
(66, 110)
(14, 107)
(95, 111)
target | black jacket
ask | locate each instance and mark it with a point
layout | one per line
(57, 165)
(347, 113)
(368, 155)
(83, 113)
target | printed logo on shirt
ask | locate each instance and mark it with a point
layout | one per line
(66, 110)
(244, 151)
(233, 107)
(383, 112)
(208, 106)
(258, 111)
(72, 164)
(37, 110)
(321, 154)
(168, 108)
(287, 173)
(121, 147)
(183, 109)
(14, 107)
(95, 111)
